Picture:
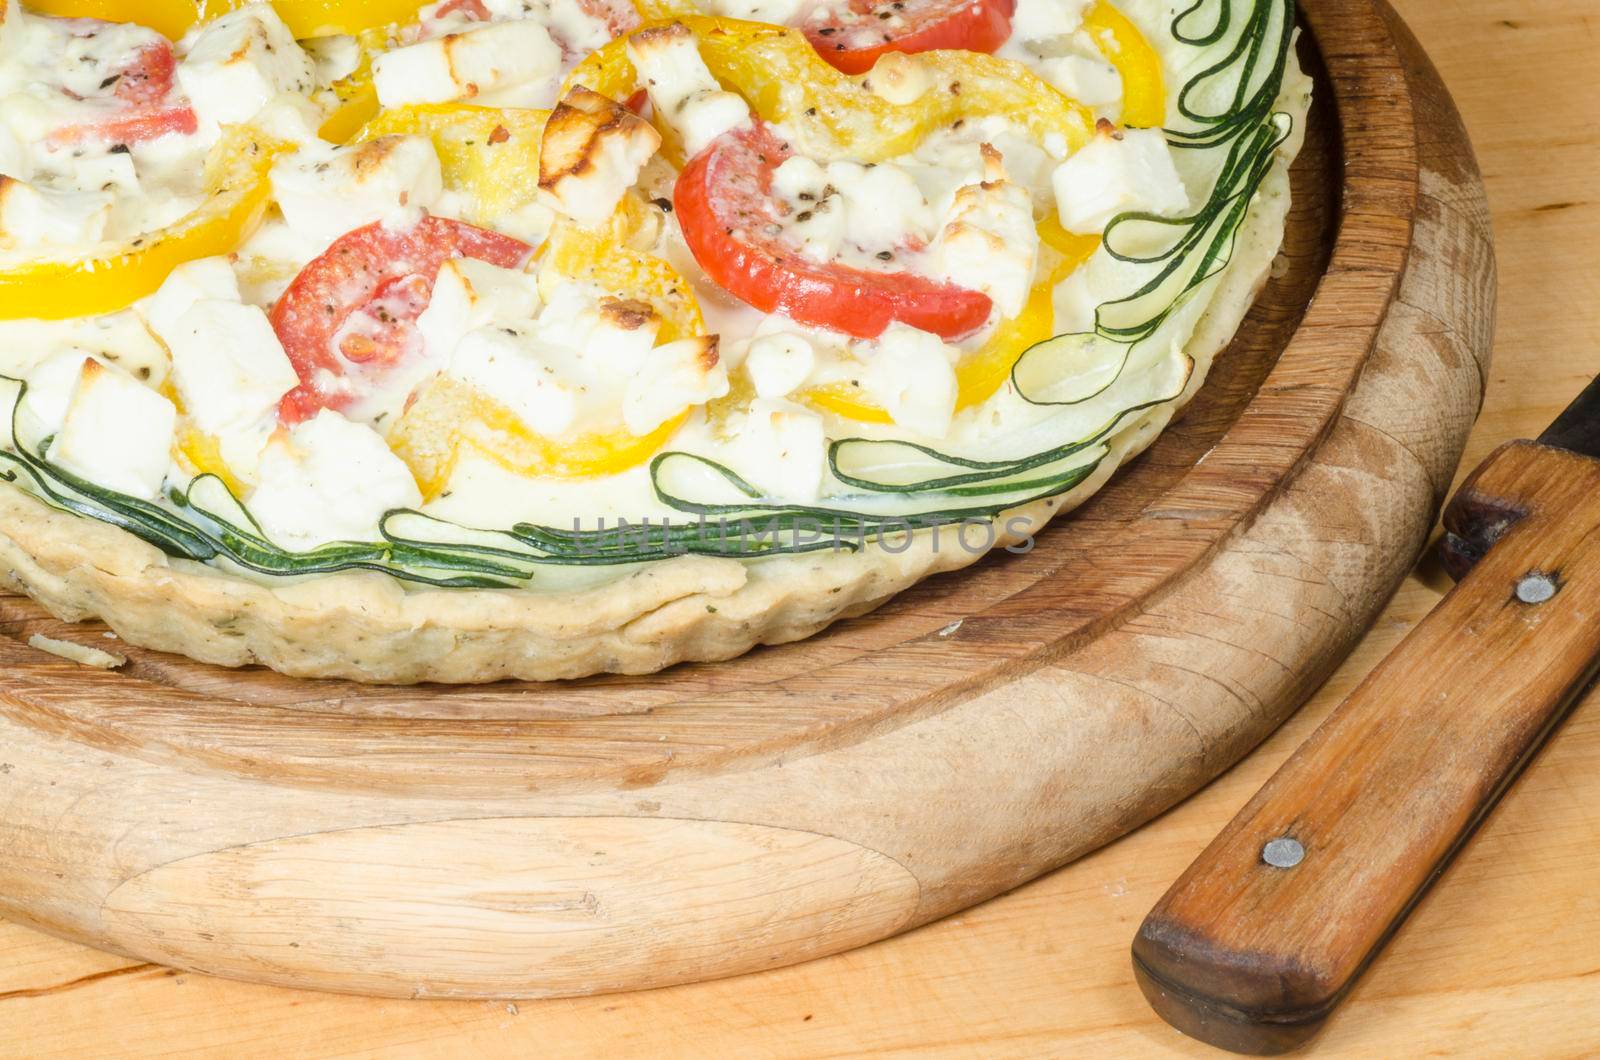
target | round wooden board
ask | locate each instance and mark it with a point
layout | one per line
(618, 833)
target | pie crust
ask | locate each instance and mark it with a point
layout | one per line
(367, 626)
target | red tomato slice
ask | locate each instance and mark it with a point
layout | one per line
(130, 125)
(143, 83)
(724, 203)
(852, 39)
(147, 77)
(349, 318)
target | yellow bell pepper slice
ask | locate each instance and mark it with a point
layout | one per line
(1117, 38)
(322, 18)
(196, 451)
(601, 259)
(114, 275)
(1144, 93)
(835, 115)
(350, 112)
(170, 18)
(174, 18)
(666, 10)
(1144, 102)
(983, 372)
(1071, 246)
(203, 455)
(449, 418)
(490, 153)
(352, 101)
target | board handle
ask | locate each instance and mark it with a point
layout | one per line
(1260, 939)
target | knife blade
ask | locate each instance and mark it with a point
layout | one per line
(1577, 429)
(1260, 939)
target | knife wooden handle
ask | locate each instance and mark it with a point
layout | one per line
(1260, 939)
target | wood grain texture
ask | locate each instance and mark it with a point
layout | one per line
(598, 902)
(1506, 939)
(1252, 953)
(973, 734)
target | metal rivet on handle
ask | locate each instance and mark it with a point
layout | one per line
(1536, 587)
(1283, 853)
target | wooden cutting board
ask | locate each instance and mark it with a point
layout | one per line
(617, 833)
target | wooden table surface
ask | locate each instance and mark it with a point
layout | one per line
(1502, 958)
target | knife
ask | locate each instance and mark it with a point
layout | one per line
(1260, 939)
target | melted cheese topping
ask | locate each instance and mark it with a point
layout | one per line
(561, 357)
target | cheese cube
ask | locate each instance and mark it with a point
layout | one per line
(120, 339)
(778, 364)
(681, 87)
(117, 432)
(705, 116)
(579, 26)
(817, 220)
(1089, 79)
(673, 378)
(185, 285)
(502, 63)
(871, 208)
(50, 386)
(44, 217)
(1118, 172)
(613, 335)
(591, 153)
(111, 173)
(777, 12)
(328, 480)
(990, 243)
(1046, 21)
(909, 373)
(508, 369)
(239, 63)
(333, 57)
(324, 194)
(797, 176)
(292, 119)
(782, 451)
(32, 112)
(14, 156)
(884, 204)
(469, 294)
(228, 365)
